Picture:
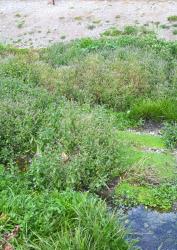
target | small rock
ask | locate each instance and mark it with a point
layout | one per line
(64, 157)
(146, 225)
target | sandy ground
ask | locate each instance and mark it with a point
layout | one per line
(34, 23)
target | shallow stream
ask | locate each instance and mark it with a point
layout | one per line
(155, 230)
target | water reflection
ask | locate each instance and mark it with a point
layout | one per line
(155, 231)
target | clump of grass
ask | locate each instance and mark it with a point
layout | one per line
(17, 15)
(117, 17)
(91, 27)
(146, 24)
(31, 32)
(174, 32)
(65, 220)
(63, 37)
(164, 26)
(157, 23)
(78, 18)
(170, 134)
(172, 18)
(130, 30)
(20, 24)
(111, 32)
(96, 22)
(159, 110)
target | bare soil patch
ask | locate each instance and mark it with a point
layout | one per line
(35, 23)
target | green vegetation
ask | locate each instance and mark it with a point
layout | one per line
(20, 24)
(164, 26)
(144, 140)
(150, 180)
(170, 135)
(112, 32)
(78, 18)
(130, 30)
(172, 18)
(161, 197)
(96, 21)
(68, 220)
(62, 109)
(174, 32)
(17, 15)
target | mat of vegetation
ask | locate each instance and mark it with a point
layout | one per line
(61, 112)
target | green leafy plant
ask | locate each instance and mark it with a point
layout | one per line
(172, 18)
(170, 134)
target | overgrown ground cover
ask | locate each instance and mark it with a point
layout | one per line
(63, 117)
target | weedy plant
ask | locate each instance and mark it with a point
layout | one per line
(170, 134)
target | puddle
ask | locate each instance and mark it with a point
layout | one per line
(154, 230)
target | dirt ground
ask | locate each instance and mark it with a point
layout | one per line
(34, 23)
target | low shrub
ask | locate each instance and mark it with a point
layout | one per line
(77, 149)
(170, 134)
(115, 81)
(39, 131)
(19, 67)
(21, 111)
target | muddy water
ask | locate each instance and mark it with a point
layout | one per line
(155, 231)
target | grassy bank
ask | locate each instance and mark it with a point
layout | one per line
(62, 112)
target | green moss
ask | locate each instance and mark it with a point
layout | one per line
(161, 197)
(145, 140)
